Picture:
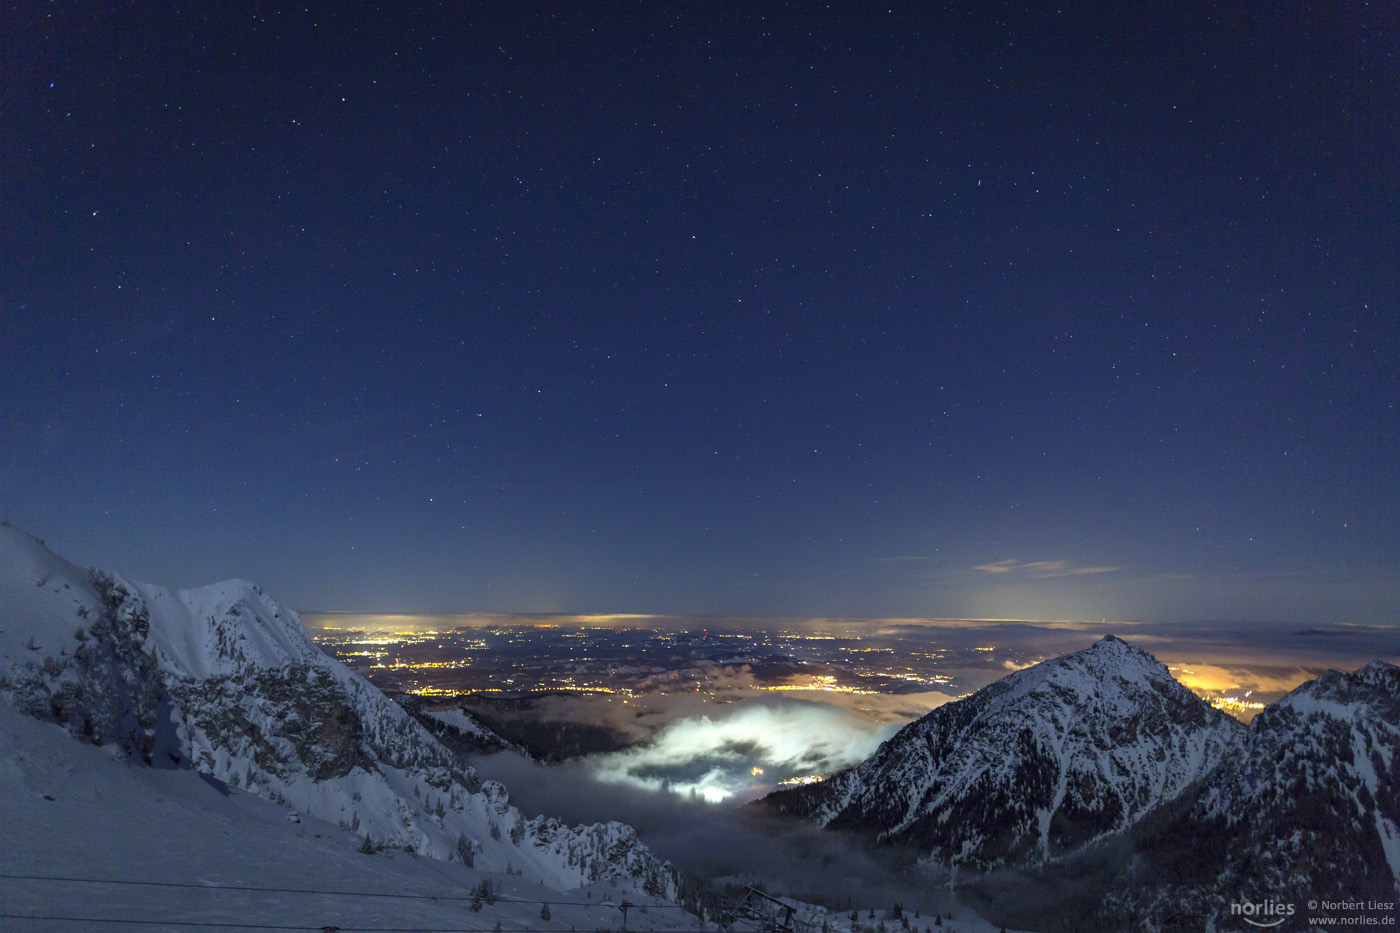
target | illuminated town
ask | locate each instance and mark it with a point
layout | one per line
(530, 659)
(523, 660)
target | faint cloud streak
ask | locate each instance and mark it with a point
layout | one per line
(1041, 569)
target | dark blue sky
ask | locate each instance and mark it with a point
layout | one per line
(981, 311)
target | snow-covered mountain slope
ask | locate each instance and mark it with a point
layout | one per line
(224, 679)
(1031, 767)
(1317, 795)
(1310, 808)
(151, 845)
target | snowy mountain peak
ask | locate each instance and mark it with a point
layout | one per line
(1380, 673)
(1109, 656)
(1111, 649)
(1337, 692)
(224, 627)
(1110, 675)
(1033, 766)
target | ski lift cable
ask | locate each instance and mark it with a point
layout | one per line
(270, 890)
(602, 905)
(226, 925)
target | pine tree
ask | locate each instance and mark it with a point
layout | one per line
(544, 912)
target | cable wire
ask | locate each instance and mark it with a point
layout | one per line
(215, 924)
(385, 894)
(67, 879)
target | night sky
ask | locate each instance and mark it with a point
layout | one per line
(989, 311)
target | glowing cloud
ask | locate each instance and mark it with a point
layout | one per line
(1202, 677)
(745, 750)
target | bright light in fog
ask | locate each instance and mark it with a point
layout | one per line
(751, 748)
(715, 795)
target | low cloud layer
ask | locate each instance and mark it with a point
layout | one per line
(685, 790)
(742, 751)
(725, 840)
(1267, 681)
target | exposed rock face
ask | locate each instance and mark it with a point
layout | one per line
(1033, 766)
(285, 720)
(102, 685)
